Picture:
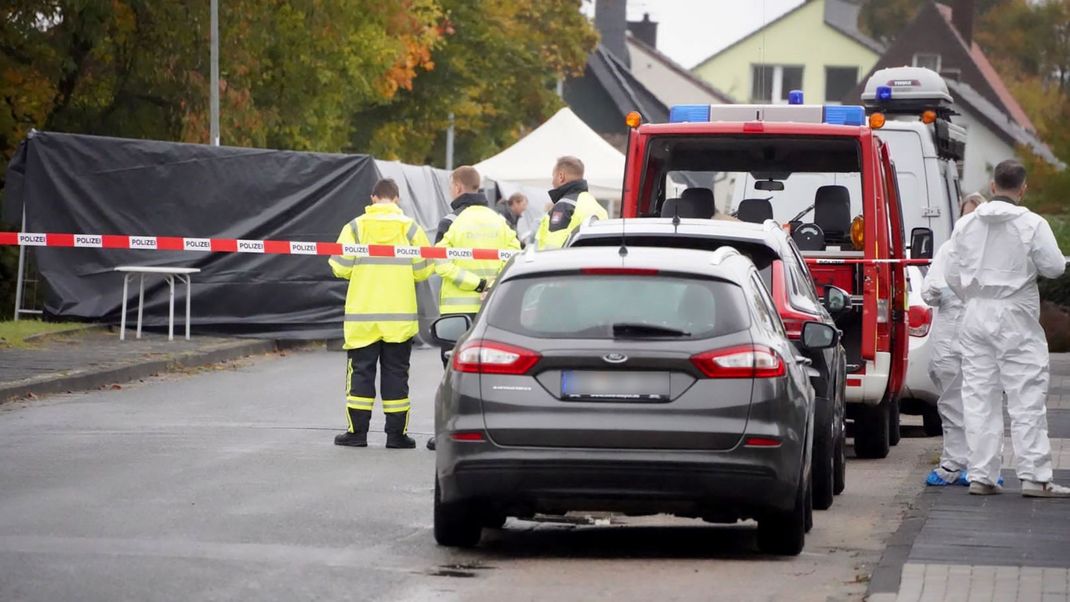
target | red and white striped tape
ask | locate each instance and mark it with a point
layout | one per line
(293, 247)
(832, 261)
(233, 245)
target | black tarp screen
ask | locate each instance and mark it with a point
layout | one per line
(87, 184)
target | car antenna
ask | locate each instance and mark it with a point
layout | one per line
(676, 218)
(623, 251)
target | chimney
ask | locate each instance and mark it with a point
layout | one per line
(611, 20)
(962, 13)
(646, 31)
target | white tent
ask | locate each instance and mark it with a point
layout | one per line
(530, 161)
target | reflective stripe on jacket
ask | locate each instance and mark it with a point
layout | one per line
(552, 236)
(477, 227)
(381, 300)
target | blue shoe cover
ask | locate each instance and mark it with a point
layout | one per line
(964, 480)
(936, 480)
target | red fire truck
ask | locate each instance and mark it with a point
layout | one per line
(822, 174)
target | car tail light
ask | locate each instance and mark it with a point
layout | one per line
(794, 327)
(489, 357)
(745, 361)
(761, 442)
(920, 320)
(468, 436)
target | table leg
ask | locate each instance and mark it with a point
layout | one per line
(140, 304)
(122, 319)
(189, 285)
(171, 310)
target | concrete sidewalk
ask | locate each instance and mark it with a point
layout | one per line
(954, 546)
(94, 358)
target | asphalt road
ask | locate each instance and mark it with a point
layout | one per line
(224, 484)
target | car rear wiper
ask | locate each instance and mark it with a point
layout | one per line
(625, 329)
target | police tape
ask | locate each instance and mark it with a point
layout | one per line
(294, 247)
(237, 245)
(832, 261)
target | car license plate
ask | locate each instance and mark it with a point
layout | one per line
(614, 386)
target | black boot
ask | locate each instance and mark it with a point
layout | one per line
(359, 421)
(396, 425)
(431, 444)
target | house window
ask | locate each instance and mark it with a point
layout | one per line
(839, 81)
(771, 83)
(928, 60)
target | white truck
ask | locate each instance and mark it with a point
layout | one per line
(910, 108)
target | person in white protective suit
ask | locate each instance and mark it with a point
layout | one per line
(996, 254)
(945, 363)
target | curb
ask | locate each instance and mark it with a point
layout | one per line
(87, 380)
(44, 336)
(887, 575)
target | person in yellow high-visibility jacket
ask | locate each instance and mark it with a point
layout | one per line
(572, 205)
(380, 317)
(476, 226)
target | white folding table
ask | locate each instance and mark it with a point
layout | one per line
(169, 274)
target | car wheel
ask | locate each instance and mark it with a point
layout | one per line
(824, 460)
(893, 423)
(810, 504)
(784, 533)
(933, 424)
(494, 520)
(455, 524)
(840, 478)
(871, 431)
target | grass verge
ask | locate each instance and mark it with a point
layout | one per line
(14, 334)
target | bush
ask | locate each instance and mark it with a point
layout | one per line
(1056, 322)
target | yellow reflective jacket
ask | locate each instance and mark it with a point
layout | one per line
(477, 227)
(381, 300)
(567, 215)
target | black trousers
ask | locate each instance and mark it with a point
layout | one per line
(443, 350)
(393, 359)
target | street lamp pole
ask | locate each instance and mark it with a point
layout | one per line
(214, 93)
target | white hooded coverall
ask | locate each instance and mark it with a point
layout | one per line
(996, 254)
(945, 360)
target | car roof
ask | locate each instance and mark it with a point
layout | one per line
(768, 233)
(724, 263)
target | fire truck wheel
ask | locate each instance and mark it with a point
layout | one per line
(871, 431)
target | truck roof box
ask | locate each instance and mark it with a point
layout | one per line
(906, 89)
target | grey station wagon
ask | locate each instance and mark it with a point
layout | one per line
(636, 380)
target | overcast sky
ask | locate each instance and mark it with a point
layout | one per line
(691, 30)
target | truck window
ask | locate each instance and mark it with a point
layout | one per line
(754, 178)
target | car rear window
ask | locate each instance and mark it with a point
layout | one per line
(760, 254)
(588, 306)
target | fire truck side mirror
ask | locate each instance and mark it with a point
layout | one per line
(921, 243)
(836, 300)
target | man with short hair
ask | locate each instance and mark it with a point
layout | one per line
(996, 254)
(945, 363)
(474, 226)
(572, 205)
(380, 317)
(513, 209)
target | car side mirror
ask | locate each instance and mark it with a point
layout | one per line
(447, 330)
(816, 335)
(836, 299)
(921, 243)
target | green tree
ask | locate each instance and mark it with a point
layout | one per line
(1029, 44)
(883, 19)
(292, 71)
(496, 72)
